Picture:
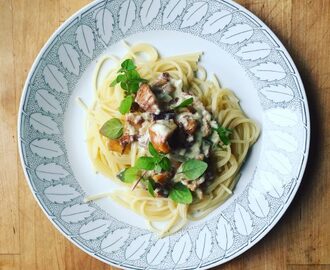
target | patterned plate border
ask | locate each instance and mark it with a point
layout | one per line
(246, 220)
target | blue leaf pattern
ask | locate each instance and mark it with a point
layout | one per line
(217, 22)
(254, 51)
(69, 58)
(194, 14)
(61, 193)
(204, 244)
(48, 102)
(149, 11)
(46, 148)
(224, 234)
(115, 240)
(182, 249)
(278, 93)
(51, 172)
(85, 39)
(137, 247)
(243, 220)
(269, 71)
(173, 9)
(126, 15)
(237, 34)
(158, 251)
(76, 213)
(94, 229)
(44, 124)
(104, 24)
(258, 203)
(55, 79)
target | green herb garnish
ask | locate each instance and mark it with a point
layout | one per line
(150, 184)
(165, 164)
(153, 151)
(180, 194)
(127, 65)
(129, 80)
(112, 129)
(157, 161)
(145, 163)
(184, 103)
(194, 168)
(224, 134)
(126, 104)
(128, 77)
(130, 175)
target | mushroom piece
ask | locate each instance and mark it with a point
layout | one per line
(118, 146)
(162, 79)
(134, 119)
(160, 132)
(147, 99)
(163, 83)
(161, 177)
(187, 121)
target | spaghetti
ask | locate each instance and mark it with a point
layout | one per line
(219, 102)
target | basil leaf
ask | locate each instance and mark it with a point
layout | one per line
(185, 103)
(194, 168)
(165, 164)
(133, 86)
(124, 85)
(128, 64)
(224, 134)
(126, 104)
(132, 75)
(128, 78)
(121, 78)
(130, 175)
(112, 129)
(152, 150)
(150, 187)
(145, 163)
(180, 194)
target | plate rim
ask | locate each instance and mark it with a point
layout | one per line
(282, 211)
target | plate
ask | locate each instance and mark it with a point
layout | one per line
(246, 56)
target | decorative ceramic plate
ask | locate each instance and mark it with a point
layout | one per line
(246, 56)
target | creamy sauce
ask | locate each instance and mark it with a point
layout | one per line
(163, 127)
(195, 121)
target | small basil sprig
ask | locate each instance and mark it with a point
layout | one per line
(156, 162)
(224, 134)
(181, 194)
(129, 80)
(184, 103)
(193, 168)
(112, 129)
